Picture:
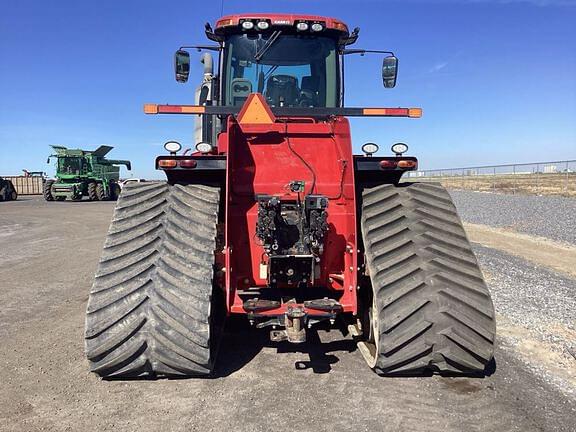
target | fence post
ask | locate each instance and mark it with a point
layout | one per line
(566, 179)
(537, 179)
(514, 177)
(494, 180)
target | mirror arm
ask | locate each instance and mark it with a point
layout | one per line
(210, 33)
(202, 47)
(363, 51)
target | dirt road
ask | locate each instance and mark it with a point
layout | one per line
(48, 254)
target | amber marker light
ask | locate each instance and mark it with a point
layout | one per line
(150, 109)
(407, 164)
(167, 163)
(415, 112)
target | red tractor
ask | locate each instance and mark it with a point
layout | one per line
(274, 218)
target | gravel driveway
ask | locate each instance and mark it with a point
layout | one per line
(47, 261)
(545, 216)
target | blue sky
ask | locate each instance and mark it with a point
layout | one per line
(496, 78)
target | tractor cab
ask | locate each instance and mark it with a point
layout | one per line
(289, 70)
(293, 61)
(70, 166)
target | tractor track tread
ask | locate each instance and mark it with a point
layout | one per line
(149, 309)
(435, 311)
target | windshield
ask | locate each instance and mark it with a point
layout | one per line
(69, 165)
(294, 70)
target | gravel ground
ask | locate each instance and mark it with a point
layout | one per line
(545, 216)
(47, 262)
(531, 296)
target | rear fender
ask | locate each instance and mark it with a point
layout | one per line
(209, 170)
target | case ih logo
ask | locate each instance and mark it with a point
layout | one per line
(281, 22)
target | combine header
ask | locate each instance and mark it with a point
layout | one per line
(274, 218)
(82, 173)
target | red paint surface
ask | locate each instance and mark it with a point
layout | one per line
(259, 161)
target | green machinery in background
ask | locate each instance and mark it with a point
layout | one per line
(7, 190)
(82, 173)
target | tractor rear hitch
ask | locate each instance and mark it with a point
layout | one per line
(294, 317)
(294, 321)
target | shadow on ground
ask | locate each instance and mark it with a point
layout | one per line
(241, 343)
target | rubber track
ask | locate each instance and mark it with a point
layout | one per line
(435, 311)
(149, 308)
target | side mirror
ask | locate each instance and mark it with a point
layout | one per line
(48, 160)
(182, 65)
(389, 71)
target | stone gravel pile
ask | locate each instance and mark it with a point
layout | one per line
(551, 217)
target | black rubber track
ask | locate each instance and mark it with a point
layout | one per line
(434, 309)
(149, 308)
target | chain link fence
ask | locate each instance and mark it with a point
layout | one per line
(539, 178)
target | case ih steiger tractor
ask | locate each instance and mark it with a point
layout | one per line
(82, 173)
(274, 218)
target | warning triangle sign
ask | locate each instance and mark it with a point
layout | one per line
(256, 111)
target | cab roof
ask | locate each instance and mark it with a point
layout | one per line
(279, 20)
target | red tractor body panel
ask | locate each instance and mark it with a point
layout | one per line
(261, 152)
(263, 160)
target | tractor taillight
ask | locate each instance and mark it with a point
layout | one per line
(167, 163)
(188, 163)
(407, 164)
(387, 164)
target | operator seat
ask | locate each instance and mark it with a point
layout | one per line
(309, 91)
(282, 90)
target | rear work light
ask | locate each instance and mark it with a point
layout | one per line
(302, 26)
(263, 25)
(188, 163)
(167, 163)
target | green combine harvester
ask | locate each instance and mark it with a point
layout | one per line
(81, 173)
